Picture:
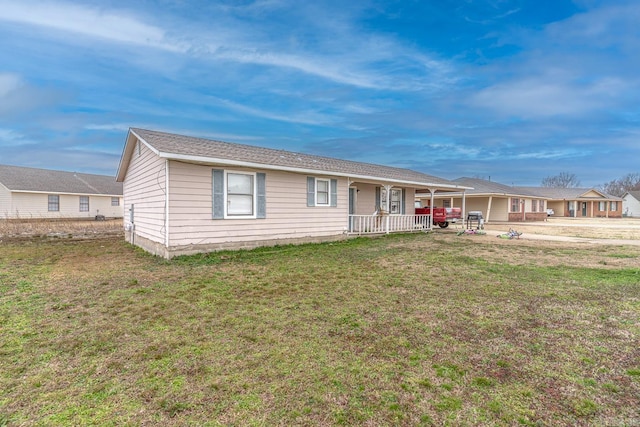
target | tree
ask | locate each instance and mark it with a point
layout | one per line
(617, 187)
(562, 180)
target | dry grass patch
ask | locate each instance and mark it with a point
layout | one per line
(411, 330)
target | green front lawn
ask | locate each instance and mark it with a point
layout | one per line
(402, 330)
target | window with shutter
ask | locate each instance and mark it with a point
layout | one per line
(238, 194)
(322, 192)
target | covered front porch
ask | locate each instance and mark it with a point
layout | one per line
(382, 208)
(385, 224)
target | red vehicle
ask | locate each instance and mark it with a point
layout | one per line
(441, 216)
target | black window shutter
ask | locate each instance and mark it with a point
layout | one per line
(402, 206)
(377, 198)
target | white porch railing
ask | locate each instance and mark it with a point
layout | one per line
(377, 224)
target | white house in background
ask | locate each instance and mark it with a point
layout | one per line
(631, 204)
(27, 193)
(184, 195)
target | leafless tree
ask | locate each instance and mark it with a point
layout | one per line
(562, 180)
(617, 187)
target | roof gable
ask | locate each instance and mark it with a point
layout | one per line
(186, 148)
(571, 193)
(23, 179)
(634, 193)
(483, 186)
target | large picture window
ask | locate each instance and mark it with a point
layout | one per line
(238, 194)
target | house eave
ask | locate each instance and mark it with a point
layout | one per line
(240, 163)
(66, 193)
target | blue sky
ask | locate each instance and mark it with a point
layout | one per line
(514, 90)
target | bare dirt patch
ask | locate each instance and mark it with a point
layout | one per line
(586, 228)
(615, 243)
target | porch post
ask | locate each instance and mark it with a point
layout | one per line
(388, 207)
(433, 201)
(464, 206)
(489, 208)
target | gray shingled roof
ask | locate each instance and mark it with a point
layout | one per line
(567, 193)
(17, 178)
(177, 146)
(482, 186)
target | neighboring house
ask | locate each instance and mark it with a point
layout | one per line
(185, 195)
(40, 193)
(497, 202)
(631, 204)
(579, 202)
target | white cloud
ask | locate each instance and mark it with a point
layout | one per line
(8, 83)
(87, 21)
(13, 138)
(349, 57)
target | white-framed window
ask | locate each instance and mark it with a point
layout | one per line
(614, 206)
(602, 206)
(240, 194)
(534, 205)
(395, 205)
(54, 203)
(323, 192)
(515, 204)
(84, 203)
(115, 201)
(396, 201)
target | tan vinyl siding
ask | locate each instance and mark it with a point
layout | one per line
(101, 205)
(499, 206)
(36, 205)
(144, 187)
(409, 201)
(288, 217)
(366, 199)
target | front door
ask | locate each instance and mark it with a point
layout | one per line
(584, 208)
